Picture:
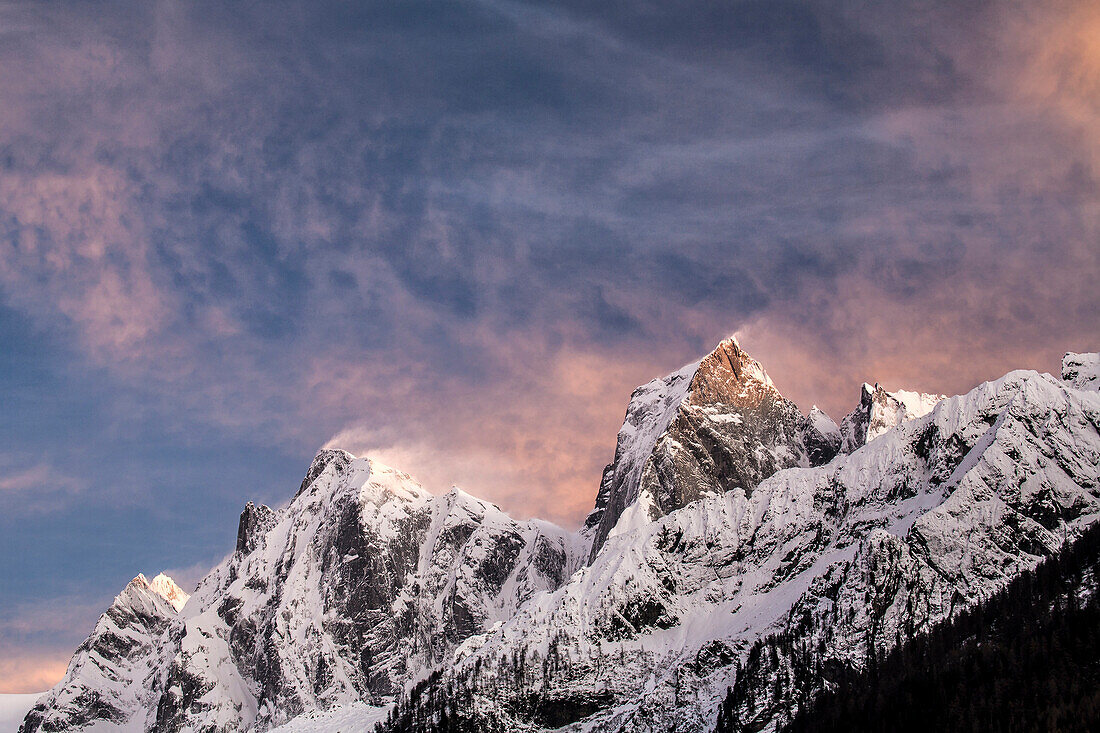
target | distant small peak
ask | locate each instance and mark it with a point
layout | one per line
(325, 457)
(821, 420)
(167, 589)
(879, 410)
(1082, 370)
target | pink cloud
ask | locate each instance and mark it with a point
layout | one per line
(26, 673)
(35, 486)
(80, 243)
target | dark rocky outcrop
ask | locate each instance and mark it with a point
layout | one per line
(709, 428)
(256, 520)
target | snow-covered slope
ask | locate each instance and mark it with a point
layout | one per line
(710, 427)
(878, 411)
(13, 708)
(362, 582)
(108, 677)
(726, 515)
(931, 515)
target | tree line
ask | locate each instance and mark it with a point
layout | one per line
(1026, 658)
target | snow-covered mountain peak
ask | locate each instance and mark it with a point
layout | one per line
(338, 471)
(361, 583)
(821, 420)
(456, 499)
(879, 411)
(145, 596)
(377, 481)
(726, 515)
(720, 417)
(325, 457)
(164, 586)
(877, 545)
(729, 373)
(106, 681)
(1082, 370)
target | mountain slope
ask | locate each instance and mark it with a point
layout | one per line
(726, 516)
(107, 679)
(714, 425)
(1026, 659)
(363, 580)
(907, 530)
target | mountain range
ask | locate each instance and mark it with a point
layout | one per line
(727, 515)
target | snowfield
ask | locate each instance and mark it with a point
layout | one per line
(13, 708)
(352, 718)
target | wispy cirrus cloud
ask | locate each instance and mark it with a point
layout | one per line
(35, 485)
(404, 212)
(456, 236)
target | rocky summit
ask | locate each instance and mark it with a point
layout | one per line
(710, 427)
(725, 516)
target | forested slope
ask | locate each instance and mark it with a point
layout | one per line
(1025, 659)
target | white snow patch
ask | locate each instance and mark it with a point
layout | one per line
(351, 718)
(13, 708)
(1082, 370)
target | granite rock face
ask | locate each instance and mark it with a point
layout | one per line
(255, 522)
(713, 426)
(725, 516)
(106, 681)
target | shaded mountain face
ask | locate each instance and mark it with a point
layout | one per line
(713, 426)
(1023, 660)
(877, 545)
(361, 582)
(878, 411)
(106, 681)
(726, 515)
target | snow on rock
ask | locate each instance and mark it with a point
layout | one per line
(878, 411)
(106, 680)
(1082, 370)
(930, 516)
(710, 427)
(13, 708)
(725, 515)
(360, 584)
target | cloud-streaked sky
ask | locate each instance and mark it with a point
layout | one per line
(455, 235)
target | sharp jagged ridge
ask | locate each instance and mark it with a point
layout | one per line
(725, 515)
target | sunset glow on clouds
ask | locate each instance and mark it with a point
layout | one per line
(456, 236)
